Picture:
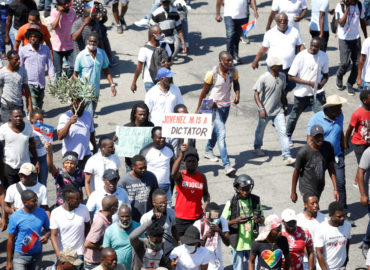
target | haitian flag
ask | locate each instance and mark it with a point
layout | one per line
(44, 129)
(248, 27)
(29, 240)
(92, 5)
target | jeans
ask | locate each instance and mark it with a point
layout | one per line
(5, 112)
(366, 239)
(339, 167)
(324, 41)
(58, 62)
(37, 96)
(290, 85)
(349, 50)
(300, 104)
(238, 257)
(219, 134)
(279, 123)
(45, 4)
(366, 86)
(89, 266)
(167, 188)
(185, 28)
(3, 20)
(91, 107)
(12, 34)
(42, 177)
(359, 149)
(233, 34)
(27, 262)
(148, 85)
(156, 4)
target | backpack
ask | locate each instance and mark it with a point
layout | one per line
(159, 56)
(334, 21)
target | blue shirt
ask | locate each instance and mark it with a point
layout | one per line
(90, 68)
(23, 224)
(118, 239)
(317, 7)
(332, 129)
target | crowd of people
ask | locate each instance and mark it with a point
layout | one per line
(159, 214)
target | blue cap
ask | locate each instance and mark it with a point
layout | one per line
(164, 73)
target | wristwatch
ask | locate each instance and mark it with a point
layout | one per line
(113, 85)
(261, 109)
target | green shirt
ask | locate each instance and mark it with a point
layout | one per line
(245, 238)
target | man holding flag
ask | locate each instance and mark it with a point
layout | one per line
(24, 248)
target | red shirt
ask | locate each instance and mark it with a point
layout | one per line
(189, 196)
(360, 120)
(297, 242)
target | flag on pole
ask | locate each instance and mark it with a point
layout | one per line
(92, 5)
(29, 240)
(248, 27)
(44, 129)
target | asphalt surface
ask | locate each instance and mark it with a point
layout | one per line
(207, 39)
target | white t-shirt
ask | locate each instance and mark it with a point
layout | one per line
(190, 261)
(71, 227)
(334, 241)
(366, 51)
(214, 246)
(12, 195)
(350, 31)
(158, 162)
(160, 103)
(291, 8)
(282, 45)
(305, 67)
(236, 9)
(368, 258)
(94, 203)
(40, 140)
(145, 56)
(311, 225)
(16, 149)
(96, 165)
(170, 219)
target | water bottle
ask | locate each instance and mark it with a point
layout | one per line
(363, 85)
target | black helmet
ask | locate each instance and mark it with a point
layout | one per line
(244, 180)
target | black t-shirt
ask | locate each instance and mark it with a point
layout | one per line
(312, 166)
(19, 10)
(139, 192)
(270, 256)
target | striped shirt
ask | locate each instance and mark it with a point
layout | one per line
(167, 21)
(90, 68)
(62, 37)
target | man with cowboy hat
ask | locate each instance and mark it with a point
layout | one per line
(190, 255)
(330, 118)
(68, 260)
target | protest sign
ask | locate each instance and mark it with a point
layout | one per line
(191, 126)
(131, 140)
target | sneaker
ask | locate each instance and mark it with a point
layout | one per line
(119, 29)
(244, 39)
(236, 60)
(351, 221)
(65, 64)
(40, 8)
(142, 23)
(350, 90)
(339, 84)
(210, 156)
(47, 13)
(229, 170)
(291, 144)
(365, 249)
(123, 23)
(289, 161)
(259, 153)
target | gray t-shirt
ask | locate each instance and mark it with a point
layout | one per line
(12, 83)
(365, 164)
(80, 43)
(139, 192)
(270, 90)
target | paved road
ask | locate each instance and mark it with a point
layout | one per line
(207, 39)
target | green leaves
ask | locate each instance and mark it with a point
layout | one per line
(69, 91)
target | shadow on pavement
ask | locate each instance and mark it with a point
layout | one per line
(192, 87)
(198, 5)
(200, 47)
(117, 107)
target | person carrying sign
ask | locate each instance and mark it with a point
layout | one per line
(219, 81)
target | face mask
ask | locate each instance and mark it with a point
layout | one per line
(159, 38)
(166, 85)
(190, 249)
(92, 47)
(154, 246)
(216, 221)
(227, 67)
(123, 225)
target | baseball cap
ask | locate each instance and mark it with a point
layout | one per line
(70, 255)
(274, 61)
(34, 27)
(288, 215)
(316, 130)
(164, 73)
(27, 169)
(110, 175)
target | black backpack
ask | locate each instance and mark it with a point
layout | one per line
(334, 21)
(159, 57)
